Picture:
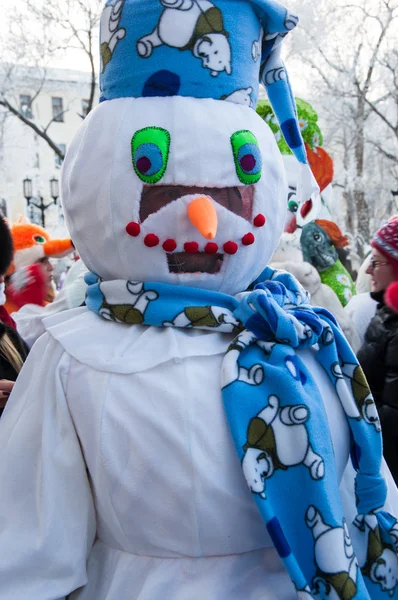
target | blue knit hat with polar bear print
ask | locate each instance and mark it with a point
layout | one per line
(217, 49)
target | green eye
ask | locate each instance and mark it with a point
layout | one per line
(247, 155)
(150, 149)
(39, 239)
(292, 206)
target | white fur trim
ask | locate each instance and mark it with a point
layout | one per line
(28, 256)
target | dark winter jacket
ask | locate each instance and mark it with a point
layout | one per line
(379, 360)
(7, 371)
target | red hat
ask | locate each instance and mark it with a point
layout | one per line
(391, 296)
(386, 241)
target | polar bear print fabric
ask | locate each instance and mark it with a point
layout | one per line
(132, 304)
(206, 317)
(257, 46)
(354, 391)
(278, 439)
(233, 371)
(111, 33)
(377, 557)
(242, 96)
(337, 571)
(362, 395)
(200, 30)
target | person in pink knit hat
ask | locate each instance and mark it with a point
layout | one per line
(379, 353)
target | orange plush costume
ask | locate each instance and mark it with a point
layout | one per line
(27, 283)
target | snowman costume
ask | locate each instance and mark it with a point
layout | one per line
(120, 479)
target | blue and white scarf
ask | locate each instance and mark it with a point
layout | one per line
(280, 428)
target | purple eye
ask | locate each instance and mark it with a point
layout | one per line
(249, 158)
(148, 159)
(144, 165)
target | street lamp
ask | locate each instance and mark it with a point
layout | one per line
(27, 189)
(28, 193)
(54, 189)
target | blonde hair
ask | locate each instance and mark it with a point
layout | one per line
(10, 353)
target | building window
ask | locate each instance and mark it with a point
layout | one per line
(25, 105)
(3, 208)
(85, 104)
(58, 159)
(58, 109)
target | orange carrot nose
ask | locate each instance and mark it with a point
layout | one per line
(203, 216)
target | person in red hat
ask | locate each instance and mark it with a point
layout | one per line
(379, 354)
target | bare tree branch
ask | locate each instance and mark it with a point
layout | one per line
(70, 24)
(40, 132)
(386, 153)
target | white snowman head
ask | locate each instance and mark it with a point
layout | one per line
(136, 167)
(174, 178)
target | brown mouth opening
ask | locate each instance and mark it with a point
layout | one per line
(200, 262)
(238, 200)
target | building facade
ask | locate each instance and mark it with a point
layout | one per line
(57, 99)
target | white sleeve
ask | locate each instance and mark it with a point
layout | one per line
(29, 318)
(47, 518)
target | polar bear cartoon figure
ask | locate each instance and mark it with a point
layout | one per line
(355, 395)
(111, 34)
(278, 439)
(362, 394)
(377, 560)
(242, 96)
(337, 571)
(132, 307)
(232, 371)
(210, 317)
(195, 25)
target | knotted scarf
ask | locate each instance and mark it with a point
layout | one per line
(280, 428)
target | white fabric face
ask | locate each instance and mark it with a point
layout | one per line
(102, 192)
(2, 293)
(296, 174)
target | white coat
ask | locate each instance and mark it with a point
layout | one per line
(120, 476)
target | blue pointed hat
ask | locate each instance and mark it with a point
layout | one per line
(217, 49)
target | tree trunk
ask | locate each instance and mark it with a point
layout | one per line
(361, 204)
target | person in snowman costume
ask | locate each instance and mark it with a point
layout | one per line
(123, 439)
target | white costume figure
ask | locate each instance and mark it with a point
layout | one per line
(195, 25)
(119, 476)
(109, 400)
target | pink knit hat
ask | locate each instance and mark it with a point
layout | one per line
(386, 241)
